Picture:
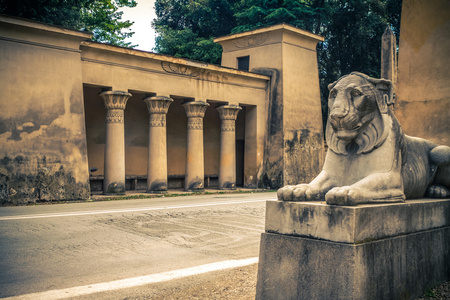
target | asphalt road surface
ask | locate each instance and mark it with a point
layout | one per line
(65, 247)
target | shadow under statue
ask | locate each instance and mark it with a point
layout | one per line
(371, 160)
(350, 234)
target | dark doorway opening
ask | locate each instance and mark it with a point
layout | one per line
(240, 147)
(243, 63)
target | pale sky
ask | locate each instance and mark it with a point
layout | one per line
(142, 15)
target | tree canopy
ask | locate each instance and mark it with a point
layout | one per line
(186, 28)
(101, 17)
(352, 29)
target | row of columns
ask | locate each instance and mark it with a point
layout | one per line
(158, 106)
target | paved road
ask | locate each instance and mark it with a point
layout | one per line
(52, 247)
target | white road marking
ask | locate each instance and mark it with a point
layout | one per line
(96, 212)
(136, 281)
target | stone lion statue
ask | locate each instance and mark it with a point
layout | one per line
(369, 159)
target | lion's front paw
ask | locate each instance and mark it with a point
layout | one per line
(346, 195)
(285, 193)
(301, 192)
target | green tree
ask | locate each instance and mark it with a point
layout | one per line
(101, 17)
(352, 30)
(186, 28)
(254, 14)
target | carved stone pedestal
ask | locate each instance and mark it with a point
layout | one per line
(312, 250)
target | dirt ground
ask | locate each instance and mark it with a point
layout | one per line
(235, 284)
(239, 283)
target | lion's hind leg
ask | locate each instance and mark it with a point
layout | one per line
(440, 187)
(440, 155)
(437, 191)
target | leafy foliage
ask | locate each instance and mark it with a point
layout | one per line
(352, 29)
(254, 14)
(101, 17)
(186, 28)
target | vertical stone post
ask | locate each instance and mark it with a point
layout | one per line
(227, 167)
(195, 173)
(157, 143)
(115, 102)
(389, 56)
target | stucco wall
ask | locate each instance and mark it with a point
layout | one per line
(42, 132)
(52, 133)
(423, 89)
(293, 150)
(302, 112)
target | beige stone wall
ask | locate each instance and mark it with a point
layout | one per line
(302, 112)
(294, 136)
(53, 121)
(42, 132)
(423, 89)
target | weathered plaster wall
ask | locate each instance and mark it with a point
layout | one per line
(136, 135)
(293, 151)
(95, 128)
(265, 51)
(176, 138)
(302, 112)
(423, 89)
(42, 134)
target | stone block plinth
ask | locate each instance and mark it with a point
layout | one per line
(312, 250)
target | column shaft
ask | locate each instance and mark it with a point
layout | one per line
(114, 169)
(195, 173)
(227, 166)
(157, 143)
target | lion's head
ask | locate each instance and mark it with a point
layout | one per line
(358, 113)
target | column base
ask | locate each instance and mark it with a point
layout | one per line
(115, 188)
(228, 185)
(386, 251)
(157, 186)
(195, 184)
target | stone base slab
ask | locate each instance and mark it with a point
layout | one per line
(356, 224)
(380, 264)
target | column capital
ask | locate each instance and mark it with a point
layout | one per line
(195, 109)
(228, 112)
(158, 104)
(115, 99)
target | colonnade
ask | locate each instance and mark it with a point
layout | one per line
(158, 107)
